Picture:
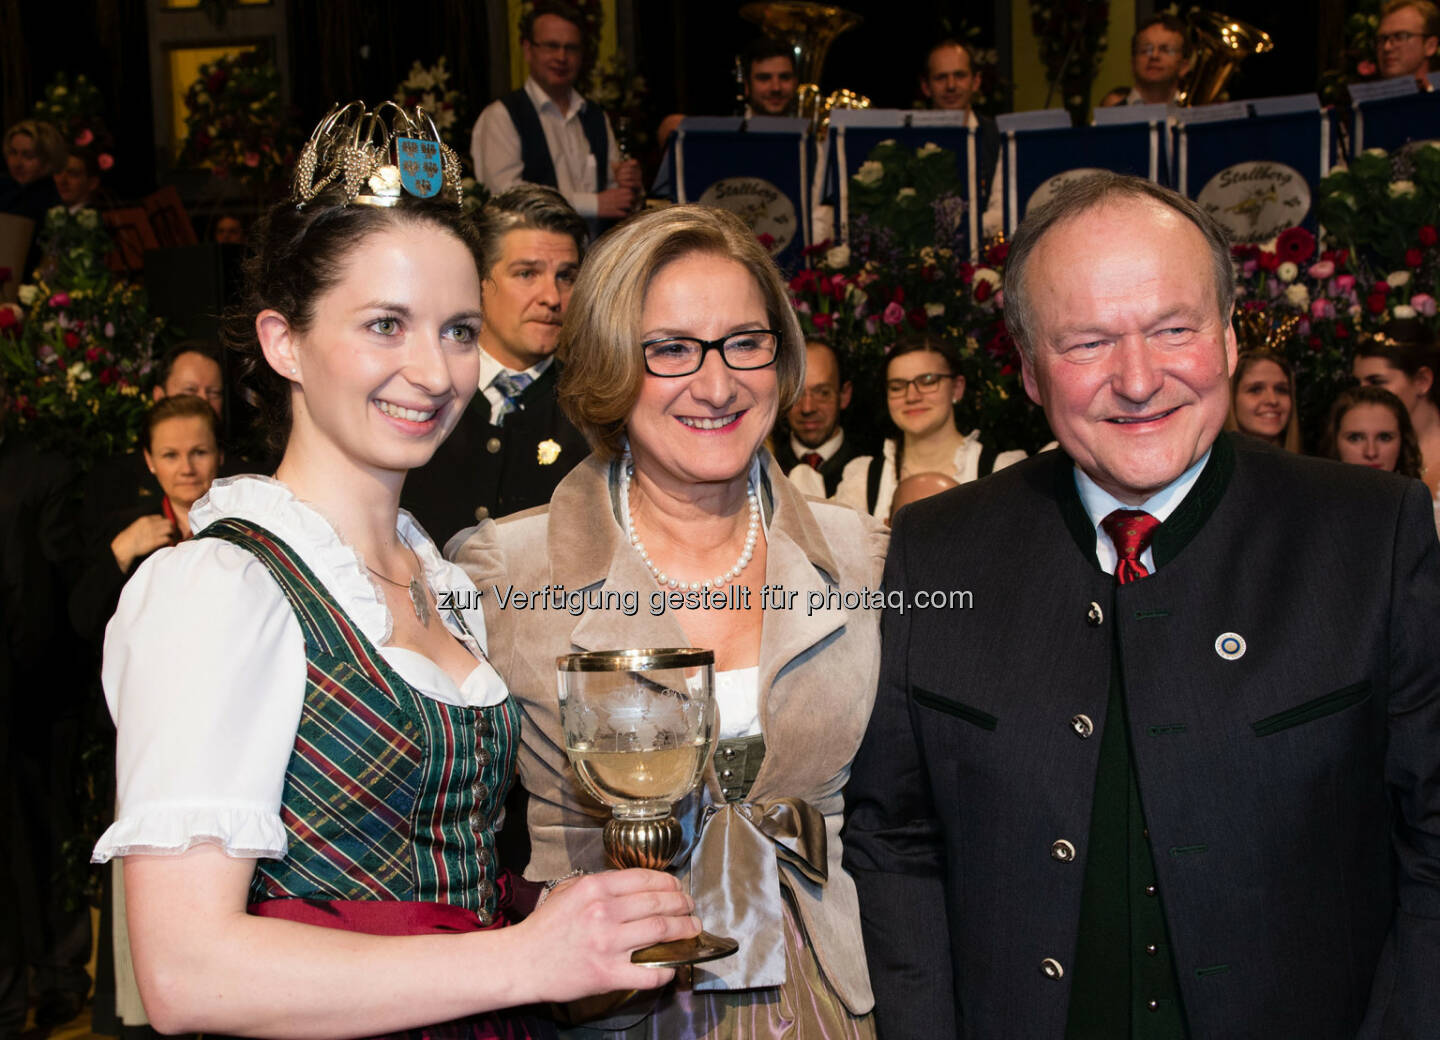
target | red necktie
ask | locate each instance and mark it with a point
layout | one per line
(1130, 530)
(812, 459)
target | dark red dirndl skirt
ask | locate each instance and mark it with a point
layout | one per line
(376, 917)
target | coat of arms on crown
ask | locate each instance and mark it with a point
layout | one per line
(375, 156)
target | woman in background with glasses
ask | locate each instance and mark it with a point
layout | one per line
(922, 386)
(681, 348)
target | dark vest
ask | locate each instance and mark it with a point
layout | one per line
(1124, 964)
(389, 794)
(535, 152)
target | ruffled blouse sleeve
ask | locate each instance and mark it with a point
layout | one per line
(204, 674)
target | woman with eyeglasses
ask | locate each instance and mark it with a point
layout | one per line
(922, 386)
(681, 348)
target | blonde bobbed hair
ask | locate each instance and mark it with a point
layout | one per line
(600, 340)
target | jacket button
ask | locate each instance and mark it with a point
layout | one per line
(1150, 890)
(1095, 615)
(1062, 850)
(1153, 1005)
(481, 512)
(1082, 725)
(480, 790)
(493, 445)
(1151, 949)
(477, 822)
(482, 857)
(482, 757)
(728, 753)
(1052, 969)
(727, 774)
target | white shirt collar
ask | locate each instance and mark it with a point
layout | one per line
(542, 99)
(490, 368)
(1099, 504)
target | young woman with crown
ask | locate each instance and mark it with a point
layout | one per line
(313, 749)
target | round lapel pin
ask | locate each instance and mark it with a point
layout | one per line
(1230, 645)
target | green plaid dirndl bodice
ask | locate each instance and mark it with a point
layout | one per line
(389, 794)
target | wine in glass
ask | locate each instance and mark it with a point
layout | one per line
(639, 728)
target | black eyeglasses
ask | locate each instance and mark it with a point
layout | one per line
(1402, 37)
(682, 355)
(924, 384)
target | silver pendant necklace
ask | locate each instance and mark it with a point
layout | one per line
(419, 600)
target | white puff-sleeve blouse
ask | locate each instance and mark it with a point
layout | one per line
(204, 672)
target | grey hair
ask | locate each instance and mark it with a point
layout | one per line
(1080, 196)
(526, 207)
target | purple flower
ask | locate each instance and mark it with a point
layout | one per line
(1424, 304)
(894, 314)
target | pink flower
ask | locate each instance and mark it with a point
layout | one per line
(252, 159)
(1249, 267)
(1322, 309)
(822, 321)
(1424, 304)
(1345, 282)
(105, 160)
(60, 299)
(894, 314)
(1324, 269)
(1000, 298)
(1366, 68)
(109, 330)
(84, 137)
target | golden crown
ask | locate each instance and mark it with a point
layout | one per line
(377, 156)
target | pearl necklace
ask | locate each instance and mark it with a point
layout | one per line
(627, 470)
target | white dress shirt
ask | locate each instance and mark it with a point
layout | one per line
(826, 451)
(1099, 504)
(495, 148)
(204, 672)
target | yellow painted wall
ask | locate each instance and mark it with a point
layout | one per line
(518, 71)
(1029, 73)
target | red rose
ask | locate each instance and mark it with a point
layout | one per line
(1268, 261)
(1376, 304)
(1315, 342)
(982, 290)
(1413, 257)
(822, 321)
(899, 296)
(996, 254)
(766, 239)
(1380, 288)
(7, 319)
(1428, 236)
(1342, 331)
(804, 280)
(1295, 244)
(824, 285)
(917, 317)
(838, 288)
(1244, 251)
(819, 248)
(107, 376)
(92, 353)
(71, 340)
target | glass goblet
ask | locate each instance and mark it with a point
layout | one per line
(639, 728)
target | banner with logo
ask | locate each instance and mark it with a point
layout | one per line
(758, 168)
(1257, 176)
(854, 133)
(1035, 163)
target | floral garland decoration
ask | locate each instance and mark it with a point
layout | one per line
(906, 268)
(429, 88)
(75, 107)
(76, 350)
(235, 122)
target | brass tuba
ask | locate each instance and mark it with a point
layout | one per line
(1221, 43)
(809, 29)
